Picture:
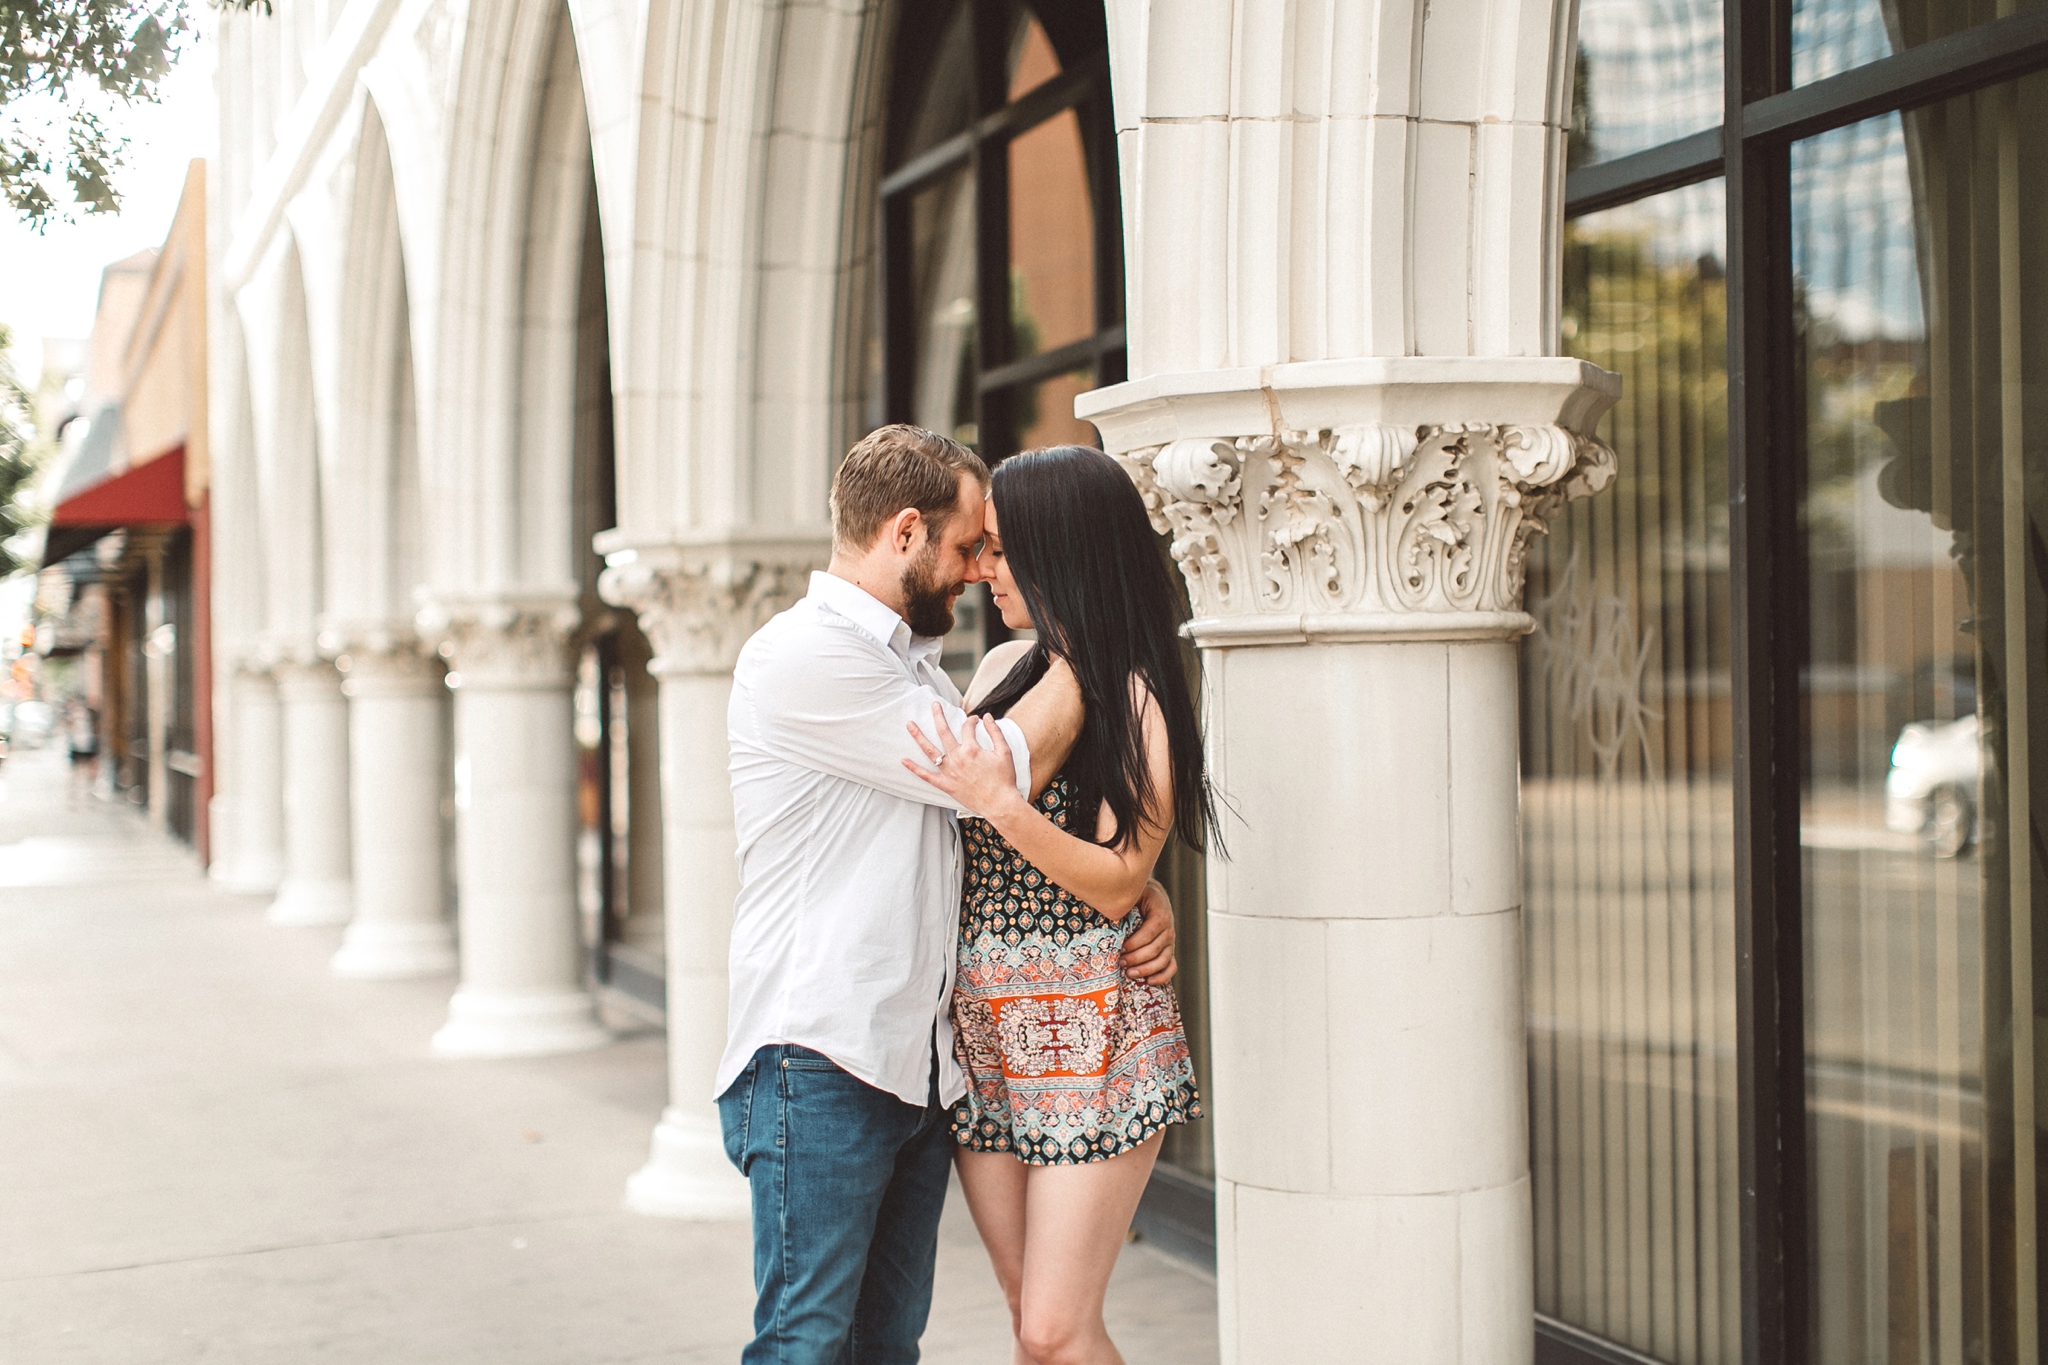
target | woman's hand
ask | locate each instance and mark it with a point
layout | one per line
(980, 780)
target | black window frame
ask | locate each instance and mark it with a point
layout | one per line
(1079, 35)
(1763, 114)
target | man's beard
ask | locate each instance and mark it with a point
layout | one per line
(927, 603)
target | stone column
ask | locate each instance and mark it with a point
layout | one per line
(522, 992)
(253, 795)
(643, 927)
(316, 887)
(397, 758)
(698, 608)
(1353, 535)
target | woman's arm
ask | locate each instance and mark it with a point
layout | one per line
(995, 666)
(1108, 878)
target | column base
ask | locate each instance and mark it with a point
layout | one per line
(390, 952)
(249, 878)
(519, 1025)
(687, 1174)
(304, 903)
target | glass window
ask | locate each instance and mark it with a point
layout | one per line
(1628, 812)
(942, 255)
(1831, 36)
(1920, 243)
(1649, 72)
(1052, 219)
(1044, 413)
(945, 102)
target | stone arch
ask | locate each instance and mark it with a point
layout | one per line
(748, 307)
(506, 573)
(285, 448)
(500, 435)
(316, 886)
(376, 471)
(246, 815)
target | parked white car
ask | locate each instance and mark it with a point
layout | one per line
(1933, 785)
(32, 724)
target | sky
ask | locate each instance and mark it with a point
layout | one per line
(50, 284)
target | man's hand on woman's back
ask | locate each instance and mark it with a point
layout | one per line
(1148, 952)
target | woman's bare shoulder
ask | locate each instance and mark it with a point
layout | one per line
(995, 666)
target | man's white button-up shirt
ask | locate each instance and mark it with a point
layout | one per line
(844, 934)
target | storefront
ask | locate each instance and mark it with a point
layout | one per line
(1782, 865)
(130, 531)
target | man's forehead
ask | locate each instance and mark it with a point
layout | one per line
(972, 506)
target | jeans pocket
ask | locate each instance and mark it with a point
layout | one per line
(736, 1114)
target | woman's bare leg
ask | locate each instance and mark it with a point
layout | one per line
(1076, 1219)
(994, 1183)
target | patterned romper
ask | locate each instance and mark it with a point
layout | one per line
(1067, 1059)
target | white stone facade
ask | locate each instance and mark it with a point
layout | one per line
(1341, 227)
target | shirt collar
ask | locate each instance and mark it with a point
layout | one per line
(874, 617)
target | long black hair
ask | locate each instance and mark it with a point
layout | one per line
(1101, 596)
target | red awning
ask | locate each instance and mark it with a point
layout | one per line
(145, 495)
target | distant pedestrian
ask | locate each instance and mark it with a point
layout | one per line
(82, 737)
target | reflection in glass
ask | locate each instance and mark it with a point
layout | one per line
(1832, 36)
(1044, 412)
(1628, 812)
(945, 105)
(942, 264)
(1649, 71)
(1052, 227)
(1919, 248)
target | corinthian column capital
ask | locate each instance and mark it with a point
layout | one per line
(503, 641)
(698, 604)
(388, 660)
(1363, 499)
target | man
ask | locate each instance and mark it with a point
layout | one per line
(838, 1072)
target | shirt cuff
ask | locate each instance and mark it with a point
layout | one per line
(1020, 754)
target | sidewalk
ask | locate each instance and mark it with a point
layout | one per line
(211, 1149)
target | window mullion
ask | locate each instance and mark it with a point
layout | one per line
(1767, 608)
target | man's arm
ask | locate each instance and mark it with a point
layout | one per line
(841, 707)
(1148, 952)
(1050, 716)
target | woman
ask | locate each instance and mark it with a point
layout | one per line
(1073, 1072)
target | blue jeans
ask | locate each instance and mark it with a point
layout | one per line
(848, 1184)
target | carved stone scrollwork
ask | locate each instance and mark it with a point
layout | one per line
(1370, 520)
(504, 642)
(301, 675)
(698, 611)
(385, 661)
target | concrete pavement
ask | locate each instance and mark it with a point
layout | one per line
(213, 1150)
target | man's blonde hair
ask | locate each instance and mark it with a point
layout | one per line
(892, 468)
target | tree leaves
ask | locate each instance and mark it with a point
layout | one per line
(17, 463)
(63, 65)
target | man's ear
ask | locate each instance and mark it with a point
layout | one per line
(906, 530)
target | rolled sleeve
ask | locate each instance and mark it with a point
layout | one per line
(1020, 754)
(841, 707)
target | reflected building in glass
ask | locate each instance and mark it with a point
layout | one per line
(1781, 709)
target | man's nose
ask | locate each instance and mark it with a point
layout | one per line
(975, 572)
